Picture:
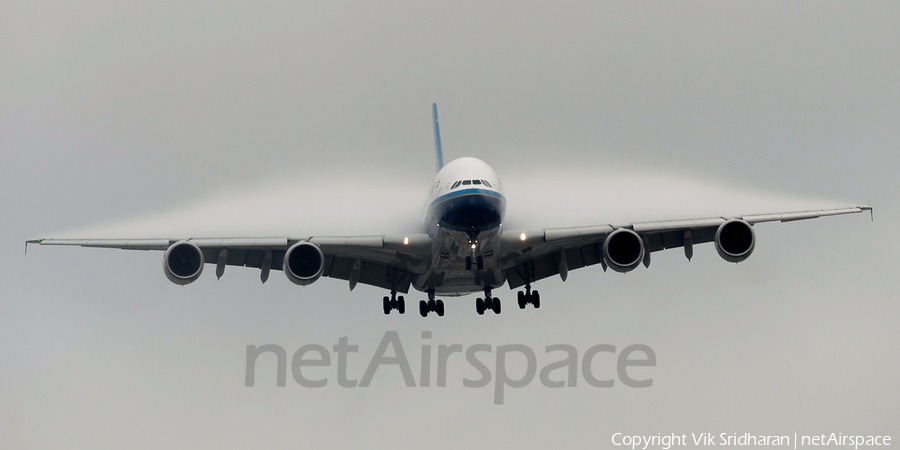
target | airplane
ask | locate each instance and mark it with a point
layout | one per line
(463, 248)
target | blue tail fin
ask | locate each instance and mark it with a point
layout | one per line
(438, 152)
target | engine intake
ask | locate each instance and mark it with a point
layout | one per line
(304, 263)
(623, 250)
(183, 263)
(735, 240)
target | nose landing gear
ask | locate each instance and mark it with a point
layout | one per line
(478, 262)
(472, 260)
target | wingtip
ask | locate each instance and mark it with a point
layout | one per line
(870, 209)
(31, 241)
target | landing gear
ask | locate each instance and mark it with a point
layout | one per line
(529, 296)
(432, 305)
(478, 262)
(488, 303)
(393, 302)
(472, 260)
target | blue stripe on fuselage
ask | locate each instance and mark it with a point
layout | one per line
(463, 192)
(468, 208)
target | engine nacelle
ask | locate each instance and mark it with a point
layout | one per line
(183, 263)
(623, 250)
(304, 263)
(735, 240)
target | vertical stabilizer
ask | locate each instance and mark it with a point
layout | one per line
(438, 152)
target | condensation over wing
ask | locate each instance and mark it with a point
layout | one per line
(383, 261)
(537, 254)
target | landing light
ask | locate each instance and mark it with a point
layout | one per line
(405, 241)
(522, 236)
(474, 246)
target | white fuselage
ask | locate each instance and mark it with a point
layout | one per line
(463, 217)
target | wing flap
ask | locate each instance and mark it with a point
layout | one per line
(371, 273)
(281, 243)
(548, 264)
(125, 244)
(651, 227)
(598, 231)
(802, 215)
(349, 241)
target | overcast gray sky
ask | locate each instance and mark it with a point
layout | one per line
(204, 118)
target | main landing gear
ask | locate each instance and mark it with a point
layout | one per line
(432, 305)
(393, 302)
(529, 296)
(488, 303)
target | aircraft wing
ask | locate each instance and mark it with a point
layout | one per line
(538, 254)
(383, 261)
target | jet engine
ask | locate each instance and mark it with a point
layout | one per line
(735, 240)
(183, 263)
(623, 250)
(304, 263)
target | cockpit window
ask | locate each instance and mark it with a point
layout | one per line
(484, 182)
(467, 182)
(455, 185)
(476, 181)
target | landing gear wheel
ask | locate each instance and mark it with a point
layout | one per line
(479, 306)
(423, 308)
(439, 308)
(480, 263)
(468, 263)
(401, 305)
(521, 300)
(495, 305)
(387, 305)
(536, 299)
